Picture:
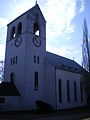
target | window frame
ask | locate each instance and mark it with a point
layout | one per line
(19, 28)
(36, 29)
(81, 91)
(75, 91)
(13, 32)
(38, 59)
(68, 91)
(60, 90)
(36, 81)
(12, 76)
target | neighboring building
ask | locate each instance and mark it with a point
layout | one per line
(33, 74)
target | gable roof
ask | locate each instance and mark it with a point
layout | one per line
(32, 10)
(63, 63)
(8, 89)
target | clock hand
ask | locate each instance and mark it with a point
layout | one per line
(18, 41)
(36, 41)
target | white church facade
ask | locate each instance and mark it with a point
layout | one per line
(32, 73)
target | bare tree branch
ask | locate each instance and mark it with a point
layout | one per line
(1, 70)
(86, 59)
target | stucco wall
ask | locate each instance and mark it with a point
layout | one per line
(64, 76)
(11, 103)
(49, 85)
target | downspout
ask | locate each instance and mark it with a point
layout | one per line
(55, 90)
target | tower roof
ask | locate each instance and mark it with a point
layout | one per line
(33, 10)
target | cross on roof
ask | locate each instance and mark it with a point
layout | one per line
(36, 2)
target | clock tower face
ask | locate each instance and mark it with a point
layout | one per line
(18, 41)
(36, 41)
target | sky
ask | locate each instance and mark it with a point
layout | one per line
(64, 33)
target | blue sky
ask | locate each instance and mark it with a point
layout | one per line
(64, 24)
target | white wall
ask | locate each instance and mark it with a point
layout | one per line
(49, 84)
(12, 103)
(13, 51)
(64, 76)
(31, 50)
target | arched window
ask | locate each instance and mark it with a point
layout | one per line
(12, 77)
(81, 91)
(19, 28)
(36, 29)
(75, 91)
(36, 81)
(13, 33)
(60, 90)
(68, 91)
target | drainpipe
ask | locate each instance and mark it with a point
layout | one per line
(55, 90)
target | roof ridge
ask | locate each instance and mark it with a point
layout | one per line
(61, 62)
(60, 56)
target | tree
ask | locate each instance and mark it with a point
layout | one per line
(1, 71)
(85, 48)
(86, 59)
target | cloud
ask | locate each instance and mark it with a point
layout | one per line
(3, 22)
(82, 6)
(3, 31)
(2, 51)
(59, 15)
(14, 0)
(68, 52)
(20, 7)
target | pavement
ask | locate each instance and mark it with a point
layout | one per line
(72, 114)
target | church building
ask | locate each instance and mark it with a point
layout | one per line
(32, 74)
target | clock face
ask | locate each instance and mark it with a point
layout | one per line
(18, 41)
(37, 41)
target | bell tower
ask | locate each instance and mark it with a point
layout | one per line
(35, 54)
(25, 53)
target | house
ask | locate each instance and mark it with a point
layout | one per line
(31, 73)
